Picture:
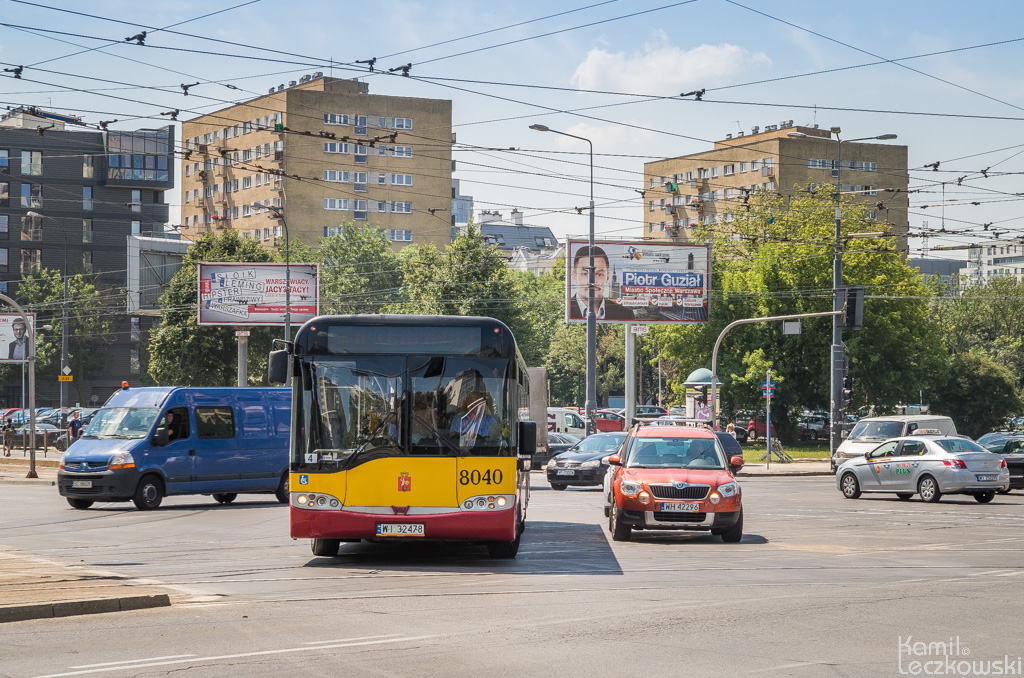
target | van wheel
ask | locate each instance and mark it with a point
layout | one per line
(149, 493)
(283, 493)
(325, 548)
(79, 504)
(226, 498)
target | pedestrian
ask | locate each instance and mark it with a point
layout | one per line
(8, 430)
(731, 430)
(74, 427)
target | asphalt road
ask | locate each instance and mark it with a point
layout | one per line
(820, 586)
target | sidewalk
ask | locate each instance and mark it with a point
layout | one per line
(33, 588)
(814, 467)
(13, 470)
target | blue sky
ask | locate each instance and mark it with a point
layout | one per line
(743, 58)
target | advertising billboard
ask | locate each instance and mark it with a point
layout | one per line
(643, 282)
(254, 294)
(15, 337)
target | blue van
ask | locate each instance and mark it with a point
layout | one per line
(148, 443)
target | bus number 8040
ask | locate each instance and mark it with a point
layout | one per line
(488, 477)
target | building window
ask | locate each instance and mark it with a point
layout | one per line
(401, 151)
(399, 236)
(382, 206)
(30, 261)
(336, 176)
(88, 167)
(359, 210)
(31, 228)
(402, 123)
(360, 153)
(136, 227)
(3, 226)
(246, 210)
(246, 182)
(729, 170)
(31, 163)
(331, 230)
(136, 201)
(382, 179)
(5, 194)
(401, 207)
(3, 259)
(5, 161)
(714, 172)
(86, 230)
(333, 147)
(335, 203)
(86, 197)
(336, 119)
(31, 196)
(401, 179)
(87, 262)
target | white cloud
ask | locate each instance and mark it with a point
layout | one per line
(664, 69)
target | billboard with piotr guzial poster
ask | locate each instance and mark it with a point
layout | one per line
(641, 282)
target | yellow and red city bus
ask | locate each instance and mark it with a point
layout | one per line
(408, 427)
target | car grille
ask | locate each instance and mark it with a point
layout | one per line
(688, 492)
(84, 466)
(677, 517)
(561, 463)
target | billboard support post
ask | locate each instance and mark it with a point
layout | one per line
(243, 357)
(630, 375)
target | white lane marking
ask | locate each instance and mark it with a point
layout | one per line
(349, 640)
(132, 661)
(240, 655)
(794, 665)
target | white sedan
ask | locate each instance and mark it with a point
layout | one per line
(926, 465)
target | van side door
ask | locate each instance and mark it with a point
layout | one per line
(175, 458)
(217, 466)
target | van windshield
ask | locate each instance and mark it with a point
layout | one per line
(876, 430)
(121, 422)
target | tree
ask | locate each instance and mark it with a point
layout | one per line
(89, 324)
(359, 272)
(979, 395)
(184, 354)
(776, 259)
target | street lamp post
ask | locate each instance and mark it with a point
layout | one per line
(278, 213)
(591, 402)
(64, 326)
(838, 360)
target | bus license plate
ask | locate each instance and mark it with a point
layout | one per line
(81, 483)
(680, 508)
(400, 530)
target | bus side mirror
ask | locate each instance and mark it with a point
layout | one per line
(277, 367)
(527, 438)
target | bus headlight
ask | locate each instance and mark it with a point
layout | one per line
(487, 502)
(317, 501)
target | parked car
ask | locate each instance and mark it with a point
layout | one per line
(650, 411)
(926, 465)
(673, 478)
(566, 420)
(608, 420)
(45, 434)
(731, 446)
(582, 464)
(557, 443)
(870, 431)
(1011, 447)
(757, 429)
(813, 427)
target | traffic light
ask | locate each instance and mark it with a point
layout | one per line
(854, 307)
(847, 395)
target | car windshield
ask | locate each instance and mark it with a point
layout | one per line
(122, 422)
(958, 445)
(599, 444)
(675, 453)
(876, 430)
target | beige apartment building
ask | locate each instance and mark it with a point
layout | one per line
(709, 187)
(326, 151)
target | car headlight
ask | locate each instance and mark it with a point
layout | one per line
(122, 460)
(593, 463)
(629, 487)
(729, 489)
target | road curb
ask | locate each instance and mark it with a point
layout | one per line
(27, 481)
(794, 474)
(15, 613)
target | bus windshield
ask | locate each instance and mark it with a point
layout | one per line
(364, 408)
(121, 422)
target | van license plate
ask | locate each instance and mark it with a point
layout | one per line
(681, 508)
(987, 478)
(400, 530)
(81, 483)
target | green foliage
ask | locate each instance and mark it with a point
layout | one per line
(184, 354)
(359, 272)
(89, 325)
(979, 396)
(776, 259)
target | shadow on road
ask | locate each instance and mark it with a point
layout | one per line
(547, 547)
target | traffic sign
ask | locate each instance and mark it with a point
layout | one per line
(765, 383)
(65, 377)
(639, 329)
(67, 369)
(241, 333)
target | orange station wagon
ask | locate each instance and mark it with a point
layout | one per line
(674, 478)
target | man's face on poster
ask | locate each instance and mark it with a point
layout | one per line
(581, 277)
(19, 331)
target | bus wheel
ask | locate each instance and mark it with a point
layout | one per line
(226, 498)
(283, 493)
(149, 493)
(325, 548)
(506, 549)
(79, 503)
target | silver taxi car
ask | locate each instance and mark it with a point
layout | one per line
(926, 465)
